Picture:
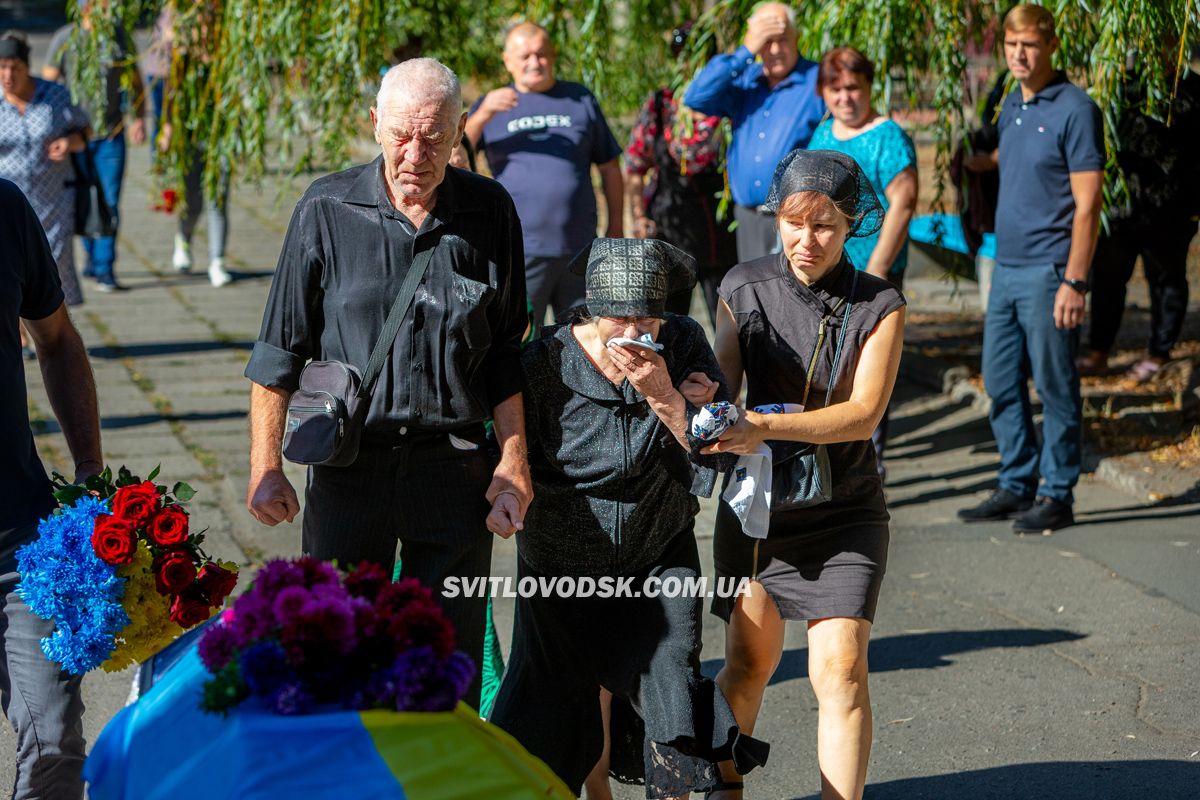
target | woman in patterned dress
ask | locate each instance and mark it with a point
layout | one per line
(39, 129)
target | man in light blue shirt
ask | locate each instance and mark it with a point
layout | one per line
(770, 95)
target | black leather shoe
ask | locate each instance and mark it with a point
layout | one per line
(1047, 514)
(1003, 504)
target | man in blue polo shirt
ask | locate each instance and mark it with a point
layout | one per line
(1051, 161)
(542, 136)
(770, 95)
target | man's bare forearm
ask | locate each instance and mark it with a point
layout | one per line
(509, 422)
(268, 412)
(71, 388)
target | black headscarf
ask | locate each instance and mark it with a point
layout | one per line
(833, 174)
(632, 277)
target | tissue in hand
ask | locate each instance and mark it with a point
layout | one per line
(646, 340)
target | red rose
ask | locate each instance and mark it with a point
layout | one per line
(113, 540)
(169, 527)
(173, 572)
(216, 582)
(136, 503)
(190, 608)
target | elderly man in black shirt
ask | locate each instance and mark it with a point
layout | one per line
(422, 474)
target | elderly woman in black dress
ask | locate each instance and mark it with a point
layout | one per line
(615, 476)
(822, 564)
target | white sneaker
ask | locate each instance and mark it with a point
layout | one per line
(217, 273)
(182, 260)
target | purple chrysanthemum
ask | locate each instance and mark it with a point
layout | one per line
(276, 575)
(217, 646)
(288, 603)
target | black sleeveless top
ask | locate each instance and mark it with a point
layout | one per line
(777, 321)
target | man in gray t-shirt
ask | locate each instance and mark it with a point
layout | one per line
(106, 150)
(541, 137)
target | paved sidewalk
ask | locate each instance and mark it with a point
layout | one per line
(1003, 666)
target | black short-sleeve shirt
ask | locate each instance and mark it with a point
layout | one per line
(29, 289)
(347, 250)
(777, 320)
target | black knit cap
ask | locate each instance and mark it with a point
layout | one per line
(833, 174)
(632, 277)
(12, 47)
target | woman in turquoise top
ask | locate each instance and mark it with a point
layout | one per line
(886, 154)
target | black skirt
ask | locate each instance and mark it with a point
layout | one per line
(669, 726)
(813, 565)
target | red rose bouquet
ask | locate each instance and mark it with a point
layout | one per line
(120, 571)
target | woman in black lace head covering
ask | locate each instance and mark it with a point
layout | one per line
(615, 476)
(818, 343)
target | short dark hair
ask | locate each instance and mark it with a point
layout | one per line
(840, 60)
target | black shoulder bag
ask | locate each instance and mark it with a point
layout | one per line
(93, 216)
(802, 477)
(326, 414)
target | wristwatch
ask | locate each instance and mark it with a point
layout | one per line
(1083, 287)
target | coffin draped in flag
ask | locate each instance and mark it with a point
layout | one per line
(165, 746)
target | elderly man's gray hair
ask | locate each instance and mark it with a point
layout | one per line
(420, 80)
(787, 10)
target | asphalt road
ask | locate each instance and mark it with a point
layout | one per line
(1002, 666)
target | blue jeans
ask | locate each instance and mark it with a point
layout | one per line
(109, 157)
(1020, 341)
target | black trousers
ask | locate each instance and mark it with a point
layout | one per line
(1164, 252)
(427, 494)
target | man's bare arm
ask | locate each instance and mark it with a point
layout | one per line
(511, 490)
(70, 387)
(613, 186)
(270, 497)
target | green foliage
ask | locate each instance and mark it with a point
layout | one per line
(290, 81)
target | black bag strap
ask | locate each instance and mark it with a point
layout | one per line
(812, 362)
(387, 337)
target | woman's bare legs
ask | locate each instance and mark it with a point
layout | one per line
(595, 786)
(837, 667)
(753, 647)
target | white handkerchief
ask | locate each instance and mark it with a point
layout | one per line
(645, 340)
(749, 492)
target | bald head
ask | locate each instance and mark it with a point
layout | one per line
(420, 82)
(529, 57)
(771, 35)
(776, 9)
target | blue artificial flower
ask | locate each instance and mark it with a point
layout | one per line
(62, 579)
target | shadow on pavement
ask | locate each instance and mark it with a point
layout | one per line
(966, 472)
(114, 423)
(166, 349)
(919, 650)
(1062, 780)
(942, 494)
(910, 423)
(1165, 509)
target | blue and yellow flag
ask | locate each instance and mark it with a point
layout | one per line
(164, 746)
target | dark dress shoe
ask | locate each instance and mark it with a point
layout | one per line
(1003, 504)
(1047, 514)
